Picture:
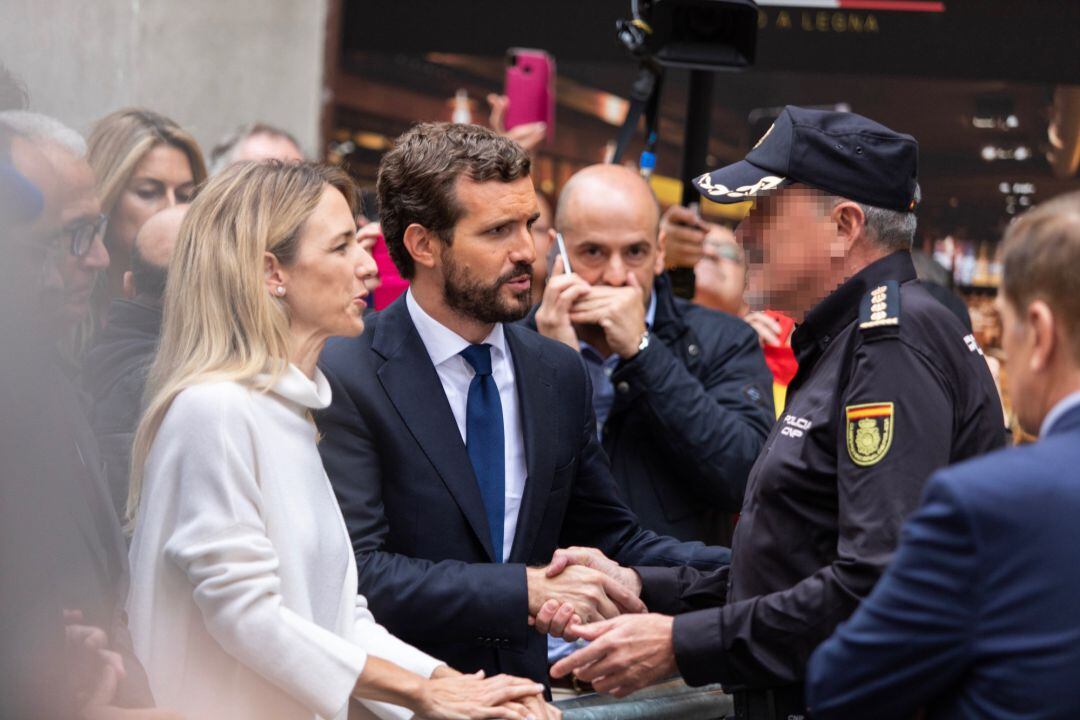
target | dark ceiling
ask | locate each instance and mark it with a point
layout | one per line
(928, 76)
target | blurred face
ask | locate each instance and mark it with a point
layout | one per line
(267, 147)
(163, 178)
(78, 208)
(609, 240)
(325, 287)
(792, 247)
(487, 269)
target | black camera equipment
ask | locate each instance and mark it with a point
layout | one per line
(704, 36)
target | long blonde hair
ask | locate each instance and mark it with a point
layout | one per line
(220, 322)
(120, 140)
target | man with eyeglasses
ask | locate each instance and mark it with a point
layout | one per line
(61, 537)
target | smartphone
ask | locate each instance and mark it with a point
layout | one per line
(561, 245)
(530, 88)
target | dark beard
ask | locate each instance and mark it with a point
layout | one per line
(473, 299)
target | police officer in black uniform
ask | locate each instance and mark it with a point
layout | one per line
(890, 387)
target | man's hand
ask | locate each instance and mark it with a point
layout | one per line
(682, 235)
(560, 294)
(593, 558)
(767, 328)
(556, 618)
(591, 594)
(625, 654)
(619, 311)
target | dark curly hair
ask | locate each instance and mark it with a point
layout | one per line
(416, 179)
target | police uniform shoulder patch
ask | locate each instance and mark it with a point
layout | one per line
(869, 429)
(881, 306)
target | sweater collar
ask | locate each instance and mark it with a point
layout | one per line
(297, 387)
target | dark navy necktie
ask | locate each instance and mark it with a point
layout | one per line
(484, 441)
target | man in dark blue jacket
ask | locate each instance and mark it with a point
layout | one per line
(461, 445)
(976, 617)
(681, 393)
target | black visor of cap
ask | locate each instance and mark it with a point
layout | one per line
(841, 153)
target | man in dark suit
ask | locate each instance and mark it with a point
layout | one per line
(463, 447)
(683, 418)
(976, 617)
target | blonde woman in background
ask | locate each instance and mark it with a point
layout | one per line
(144, 162)
(243, 601)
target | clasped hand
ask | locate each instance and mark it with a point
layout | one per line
(625, 653)
(569, 300)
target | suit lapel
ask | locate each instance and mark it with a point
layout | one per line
(413, 386)
(535, 380)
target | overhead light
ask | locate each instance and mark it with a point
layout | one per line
(989, 153)
(1025, 201)
(1012, 121)
(1004, 188)
(1021, 153)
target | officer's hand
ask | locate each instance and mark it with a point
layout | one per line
(560, 294)
(682, 235)
(625, 654)
(619, 311)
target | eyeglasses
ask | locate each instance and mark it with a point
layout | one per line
(85, 233)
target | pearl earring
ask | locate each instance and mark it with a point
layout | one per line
(280, 290)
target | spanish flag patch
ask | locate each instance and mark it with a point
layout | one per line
(869, 432)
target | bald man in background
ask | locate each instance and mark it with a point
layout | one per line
(116, 368)
(681, 393)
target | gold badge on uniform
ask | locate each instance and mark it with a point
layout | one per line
(869, 432)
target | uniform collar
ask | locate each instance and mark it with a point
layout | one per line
(841, 307)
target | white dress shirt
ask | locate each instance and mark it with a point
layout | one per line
(243, 601)
(443, 346)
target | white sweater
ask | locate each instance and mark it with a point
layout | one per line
(243, 599)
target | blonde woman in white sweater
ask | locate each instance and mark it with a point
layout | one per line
(243, 601)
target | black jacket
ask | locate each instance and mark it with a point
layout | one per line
(690, 416)
(392, 450)
(890, 388)
(114, 374)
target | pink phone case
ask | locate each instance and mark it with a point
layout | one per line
(530, 87)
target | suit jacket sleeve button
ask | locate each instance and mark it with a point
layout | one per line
(623, 387)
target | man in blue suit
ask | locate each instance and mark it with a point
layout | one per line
(462, 446)
(977, 616)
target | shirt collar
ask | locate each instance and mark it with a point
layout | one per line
(441, 342)
(1063, 406)
(841, 307)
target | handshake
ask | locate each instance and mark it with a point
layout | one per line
(580, 586)
(583, 594)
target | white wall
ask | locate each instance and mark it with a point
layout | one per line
(209, 64)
